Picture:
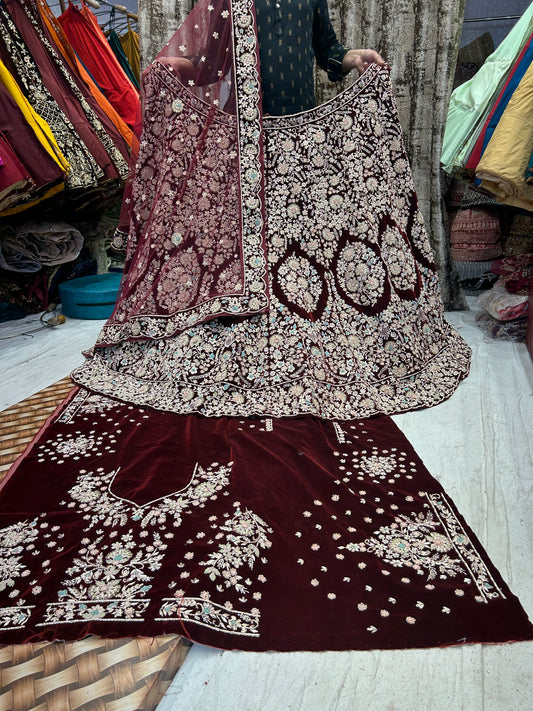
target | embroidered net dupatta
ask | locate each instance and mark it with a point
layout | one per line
(195, 238)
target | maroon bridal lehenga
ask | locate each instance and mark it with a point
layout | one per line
(226, 468)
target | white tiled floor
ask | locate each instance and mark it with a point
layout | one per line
(478, 445)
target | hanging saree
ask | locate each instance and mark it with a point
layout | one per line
(84, 172)
(130, 44)
(118, 50)
(66, 93)
(15, 181)
(38, 125)
(56, 36)
(90, 44)
(280, 281)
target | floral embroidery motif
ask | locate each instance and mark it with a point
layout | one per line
(179, 275)
(111, 581)
(430, 543)
(94, 495)
(415, 543)
(245, 537)
(478, 570)
(13, 542)
(13, 618)
(206, 613)
(108, 582)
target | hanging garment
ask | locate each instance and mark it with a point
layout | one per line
(329, 307)
(118, 51)
(471, 102)
(114, 43)
(513, 80)
(91, 46)
(503, 165)
(12, 96)
(15, 181)
(66, 93)
(84, 171)
(58, 39)
(130, 44)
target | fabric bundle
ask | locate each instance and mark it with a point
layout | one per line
(475, 235)
(508, 299)
(34, 245)
(488, 138)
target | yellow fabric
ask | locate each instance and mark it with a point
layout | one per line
(37, 123)
(130, 45)
(20, 208)
(63, 45)
(502, 167)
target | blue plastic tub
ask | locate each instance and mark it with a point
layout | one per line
(90, 297)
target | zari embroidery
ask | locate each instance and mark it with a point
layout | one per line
(355, 325)
(206, 613)
(199, 174)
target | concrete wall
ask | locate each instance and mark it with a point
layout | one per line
(158, 20)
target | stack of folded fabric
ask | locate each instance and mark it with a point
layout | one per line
(475, 235)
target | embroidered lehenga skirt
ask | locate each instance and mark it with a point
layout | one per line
(355, 324)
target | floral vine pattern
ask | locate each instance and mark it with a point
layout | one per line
(246, 536)
(230, 530)
(355, 325)
(198, 174)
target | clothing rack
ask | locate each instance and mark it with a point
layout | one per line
(492, 19)
(102, 14)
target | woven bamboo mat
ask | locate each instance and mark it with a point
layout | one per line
(92, 674)
(20, 423)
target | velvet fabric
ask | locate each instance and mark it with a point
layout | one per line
(15, 181)
(27, 147)
(253, 534)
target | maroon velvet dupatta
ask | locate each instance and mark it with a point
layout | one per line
(196, 242)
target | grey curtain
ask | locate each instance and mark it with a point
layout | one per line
(419, 39)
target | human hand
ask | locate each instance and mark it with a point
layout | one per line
(361, 59)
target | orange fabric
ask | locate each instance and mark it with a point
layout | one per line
(94, 51)
(64, 46)
(56, 32)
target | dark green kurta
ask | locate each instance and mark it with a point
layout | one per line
(292, 33)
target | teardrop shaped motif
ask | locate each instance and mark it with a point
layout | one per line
(299, 283)
(361, 276)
